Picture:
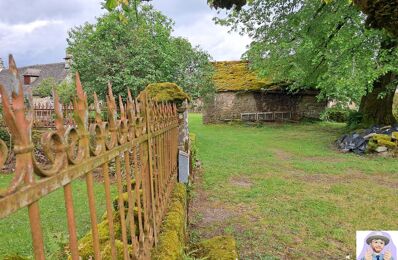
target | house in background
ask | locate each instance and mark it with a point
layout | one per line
(241, 95)
(33, 75)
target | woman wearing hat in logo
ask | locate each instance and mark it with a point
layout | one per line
(377, 240)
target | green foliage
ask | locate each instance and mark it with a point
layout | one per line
(335, 114)
(112, 4)
(381, 13)
(227, 4)
(4, 134)
(45, 88)
(137, 52)
(64, 89)
(313, 44)
(354, 120)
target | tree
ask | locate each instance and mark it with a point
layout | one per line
(136, 52)
(44, 89)
(64, 89)
(381, 13)
(323, 46)
(192, 68)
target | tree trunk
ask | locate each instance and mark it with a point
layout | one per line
(379, 110)
(381, 14)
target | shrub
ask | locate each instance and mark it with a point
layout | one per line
(44, 89)
(336, 114)
(354, 119)
(64, 89)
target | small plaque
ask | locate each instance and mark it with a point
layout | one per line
(183, 166)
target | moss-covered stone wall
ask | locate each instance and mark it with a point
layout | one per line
(166, 92)
(171, 242)
(171, 239)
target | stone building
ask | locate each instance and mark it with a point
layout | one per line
(241, 95)
(33, 75)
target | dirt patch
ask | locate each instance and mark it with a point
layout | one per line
(385, 182)
(347, 178)
(241, 181)
(282, 155)
(324, 159)
(208, 217)
(329, 178)
(215, 214)
(203, 211)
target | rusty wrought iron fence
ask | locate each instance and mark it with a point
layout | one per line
(44, 115)
(141, 140)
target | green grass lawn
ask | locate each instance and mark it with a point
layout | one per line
(284, 192)
(15, 237)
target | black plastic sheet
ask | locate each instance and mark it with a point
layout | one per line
(358, 142)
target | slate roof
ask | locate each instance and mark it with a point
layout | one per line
(32, 72)
(42, 71)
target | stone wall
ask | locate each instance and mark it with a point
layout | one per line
(196, 106)
(228, 106)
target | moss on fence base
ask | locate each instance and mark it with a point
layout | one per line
(171, 241)
(172, 237)
(106, 253)
(217, 248)
(86, 249)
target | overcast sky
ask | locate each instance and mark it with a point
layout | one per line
(35, 31)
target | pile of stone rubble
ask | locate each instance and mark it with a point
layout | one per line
(375, 139)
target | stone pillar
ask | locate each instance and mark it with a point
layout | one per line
(68, 67)
(1, 64)
(184, 154)
(183, 136)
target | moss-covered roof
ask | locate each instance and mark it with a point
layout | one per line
(236, 76)
(166, 91)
